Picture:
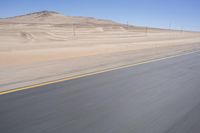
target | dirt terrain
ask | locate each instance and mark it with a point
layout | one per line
(45, 46)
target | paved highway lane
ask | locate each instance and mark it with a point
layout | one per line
(157, 97)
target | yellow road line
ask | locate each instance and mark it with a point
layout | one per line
(92, 73)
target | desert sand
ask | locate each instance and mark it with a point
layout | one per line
(46, 46)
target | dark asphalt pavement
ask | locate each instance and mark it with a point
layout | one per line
(158, 97)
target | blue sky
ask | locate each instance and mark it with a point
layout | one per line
(155, 13)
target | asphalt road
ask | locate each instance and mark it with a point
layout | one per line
(157, 97)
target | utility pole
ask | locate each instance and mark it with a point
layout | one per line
(169, 33)
(181, 30)
(74, 30)
(127, 25)
(170, 26)
(146, 31)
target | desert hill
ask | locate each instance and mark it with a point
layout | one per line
(51, 17)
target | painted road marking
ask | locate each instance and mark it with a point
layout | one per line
(92, 73)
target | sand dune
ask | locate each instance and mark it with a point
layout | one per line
(44, 46)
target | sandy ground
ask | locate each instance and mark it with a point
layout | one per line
(42, 47)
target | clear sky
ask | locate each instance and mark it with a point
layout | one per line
(155, 13)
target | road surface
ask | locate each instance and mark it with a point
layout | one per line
(157, 97)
